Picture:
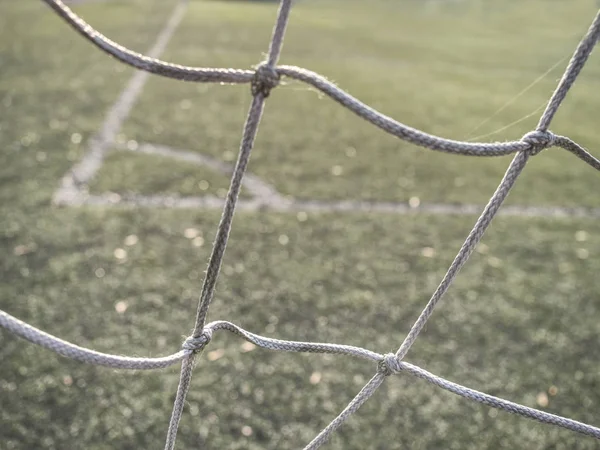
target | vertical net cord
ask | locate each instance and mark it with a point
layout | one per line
(216, 258)
(187, 365)
(276, 43)
(222, 236)
(251, 128)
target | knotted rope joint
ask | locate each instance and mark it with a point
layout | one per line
(196, 344)
(265, 78)
(538, 140)
(389, 365)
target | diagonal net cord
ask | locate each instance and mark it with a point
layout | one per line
(537, 140)
(489, 212)
(263, 79)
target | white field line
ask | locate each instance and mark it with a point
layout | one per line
(257, 187)
(82, 172)
(73, 190)
(343, 206)
(266, 197)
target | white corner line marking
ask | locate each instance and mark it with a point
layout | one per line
(70, 190)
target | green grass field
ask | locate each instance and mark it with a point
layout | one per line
(521, 321)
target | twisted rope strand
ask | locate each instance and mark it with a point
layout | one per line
(262, 83)
(398, 129)
(139, 61)
(467, 248)
(365, 394)
(83, 354)
(185, 379)
(577, 150)
(498, 403)
(578, 60)
(224, 228)
(294, 346)
(216, 258)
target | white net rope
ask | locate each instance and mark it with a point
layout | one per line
(262, 80)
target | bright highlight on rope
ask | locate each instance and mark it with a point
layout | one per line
(263, 80)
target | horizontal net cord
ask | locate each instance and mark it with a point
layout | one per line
(139, 61)
(83, 354)
(295, 346)
(86, 355)
(227, 75)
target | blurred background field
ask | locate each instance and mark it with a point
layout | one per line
(521, 321)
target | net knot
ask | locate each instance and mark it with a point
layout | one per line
(265, 79)
(195, 344)
(538, 140)
(389, 365)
